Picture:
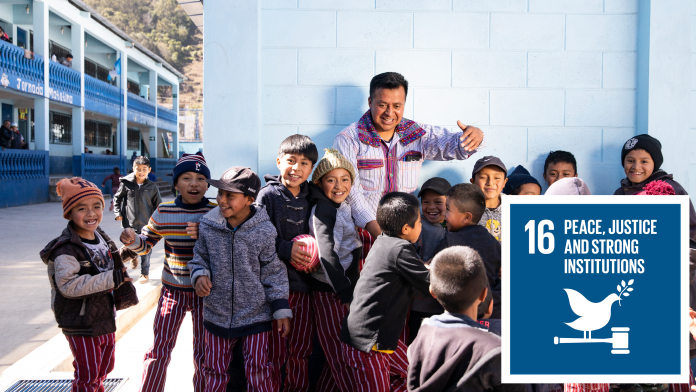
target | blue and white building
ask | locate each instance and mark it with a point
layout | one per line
(62, 111)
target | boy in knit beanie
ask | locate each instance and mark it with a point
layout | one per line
(641, 157)
(520, 182)
(175, 222)
(339, 251)
(85, 271)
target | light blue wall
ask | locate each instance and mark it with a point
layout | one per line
(535, 75)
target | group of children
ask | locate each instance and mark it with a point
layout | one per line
(422, 315)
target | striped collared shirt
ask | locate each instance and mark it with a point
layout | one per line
(382, 169)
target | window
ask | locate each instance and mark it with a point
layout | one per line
(133, 139)
(60, 128)
(58, 50)
(97, 134)
(31, 119)
(98, 71)
(182, 131)
(133, 87)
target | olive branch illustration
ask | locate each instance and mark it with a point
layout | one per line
(623, 288)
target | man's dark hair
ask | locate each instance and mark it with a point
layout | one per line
(560, 156)
(141, 160)
(301, 145)
(483, 306)
(389, 80)
(457, 278)
(395, 210)
(69, 56)
(117, 170)
(468, 198)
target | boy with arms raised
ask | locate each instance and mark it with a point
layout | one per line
(375, 357)
(134, 202)
(236, 268)
(175, 222)
(465, 207)
(433, 195)
(453, 349)
(86, 274)
(490, 175)
(285, 199)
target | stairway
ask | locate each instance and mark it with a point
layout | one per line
(165, 189)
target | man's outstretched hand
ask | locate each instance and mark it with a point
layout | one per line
(471, 137)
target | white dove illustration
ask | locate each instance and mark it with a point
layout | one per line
(593, 316)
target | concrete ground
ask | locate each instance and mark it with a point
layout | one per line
(27, 321)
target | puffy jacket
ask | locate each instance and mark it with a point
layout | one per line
(81, 296)
(135, 204)
(290, 216)
(5, 137)
(250, 283)
(628, 188)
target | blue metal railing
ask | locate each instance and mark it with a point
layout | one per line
(166, 114)
(102, 97)
(23, 165)
(141, 105)
(101, 165)
(64, 79)
(13, 63)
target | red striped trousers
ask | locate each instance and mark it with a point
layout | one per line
(93, 359)
(375, 371)
(257, 366)
(171, 310)
(328, 316)
(294, 350)
(367, 241)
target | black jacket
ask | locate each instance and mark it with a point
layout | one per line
(478, 238)
(290, 216)
(16, 142)
(5, 137)
(455, 353)
(338, 246)
(88, 313)
(378, 312)
(135, 204)
(628, 188)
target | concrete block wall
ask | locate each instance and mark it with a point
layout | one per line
(535, 75)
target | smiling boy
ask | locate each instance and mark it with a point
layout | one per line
(285, 199)
(558, 165)
(236, 268)
(490, 175)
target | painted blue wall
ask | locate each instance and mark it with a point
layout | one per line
(535, 75)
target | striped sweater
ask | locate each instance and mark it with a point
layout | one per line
(169, 221)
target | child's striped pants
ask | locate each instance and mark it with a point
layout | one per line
(375, 371)
(257, 367)
(171, 310)
(328, 316)
(93, 360)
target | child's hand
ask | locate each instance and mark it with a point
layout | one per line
(283, 325)
(119, 218)
(692, 324)
(192, 230)
(128, 236)
(203, 286)
(299, 256)
(312, 269)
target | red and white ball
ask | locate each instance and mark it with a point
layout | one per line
(310, 247)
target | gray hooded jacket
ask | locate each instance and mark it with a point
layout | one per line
(250, 283)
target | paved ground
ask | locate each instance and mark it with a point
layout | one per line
(27, 320)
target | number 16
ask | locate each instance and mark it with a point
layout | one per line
(530, 228)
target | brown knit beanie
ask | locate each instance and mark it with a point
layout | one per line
(332, 160)
(73, 190)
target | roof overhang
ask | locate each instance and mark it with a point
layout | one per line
(194, 9)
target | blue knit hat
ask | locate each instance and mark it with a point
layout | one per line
(191, 163)
(517, 178)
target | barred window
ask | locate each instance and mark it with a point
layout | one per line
(97, 71)
(97, 134)
(133, 139)
(60, 128)
(133, 87)
(58, 50)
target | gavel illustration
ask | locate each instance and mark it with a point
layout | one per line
(618, 340)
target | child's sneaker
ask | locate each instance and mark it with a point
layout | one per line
(143, 279)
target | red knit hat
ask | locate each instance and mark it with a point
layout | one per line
(74, 190)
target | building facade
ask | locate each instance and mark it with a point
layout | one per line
(535, 75)
(84, 118)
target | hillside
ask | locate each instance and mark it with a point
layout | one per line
(165, 29)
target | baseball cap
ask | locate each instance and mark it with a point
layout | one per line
(14, 125)
(436, 184)
(238, 179)
(488, 160)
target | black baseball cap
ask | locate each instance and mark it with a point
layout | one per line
(436, 184)
(238, 179)
(488, 160)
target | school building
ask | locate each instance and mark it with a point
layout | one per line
(107, 99)
(534, 75)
